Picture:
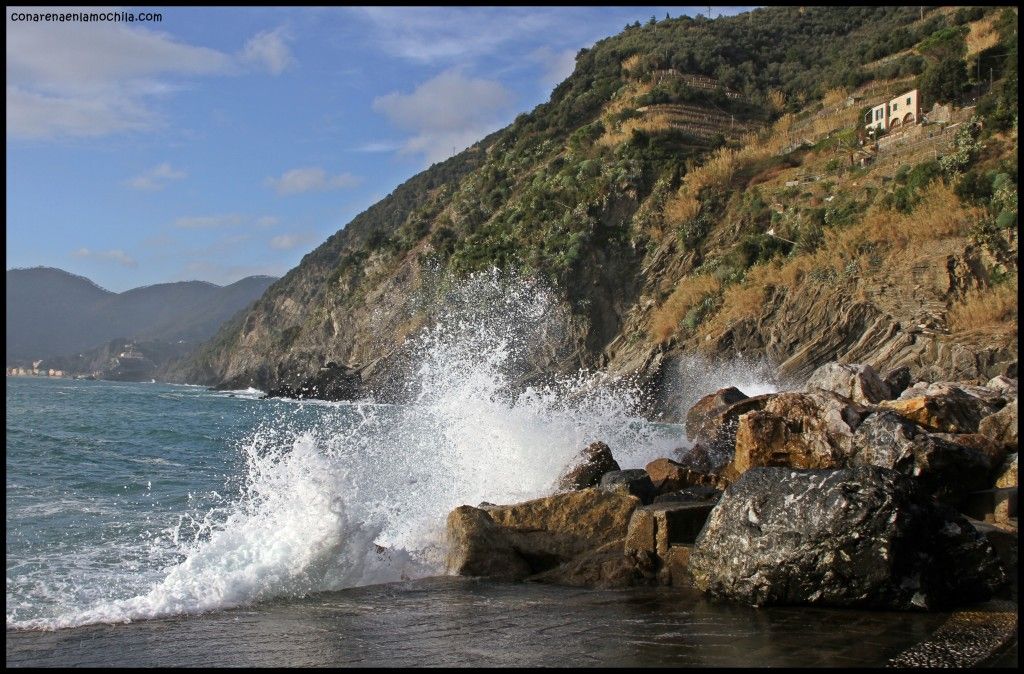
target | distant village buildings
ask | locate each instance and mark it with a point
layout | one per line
(34, 372)
(900, 111)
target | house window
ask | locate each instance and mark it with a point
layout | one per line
(894, 106)
(908, 100)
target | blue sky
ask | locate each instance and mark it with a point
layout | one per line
(219, 143)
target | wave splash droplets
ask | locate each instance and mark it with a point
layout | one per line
(355, 494)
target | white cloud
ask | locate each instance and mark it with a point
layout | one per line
(310, 179)
(267, 221)
(447, 113)
(117, 256)
(378, 146)
(156, 178)
(557, 65)
(208, 221)
(69, 79)
(269, 50)
(289, 241)
(453, 34)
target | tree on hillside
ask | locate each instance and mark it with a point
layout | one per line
(944, 81)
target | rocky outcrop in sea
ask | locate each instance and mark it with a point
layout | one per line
(860, 490)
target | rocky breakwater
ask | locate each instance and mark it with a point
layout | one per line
(858, 490)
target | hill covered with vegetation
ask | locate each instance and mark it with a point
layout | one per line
(705, 186)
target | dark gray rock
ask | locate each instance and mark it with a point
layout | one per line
(866, 536)
(635, 482)
(948, 465)
(886, 439)
(331, 382)
(592, 462)
(697, 492)
(699, 416)
(898, 380)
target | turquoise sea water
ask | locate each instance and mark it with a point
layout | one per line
(102, 477)
(128, 501)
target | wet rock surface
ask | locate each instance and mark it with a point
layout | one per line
(514, 542)
(594, 461)
(332, 382)
(635, 482)
(864, 536)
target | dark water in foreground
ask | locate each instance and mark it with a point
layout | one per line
(463, 622)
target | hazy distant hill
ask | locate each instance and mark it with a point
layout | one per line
(53, 313)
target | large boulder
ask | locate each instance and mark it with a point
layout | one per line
(699, 417)
(947, 465)
(713, 432)
(898, 380)
(946, 408)
(799, 430)
(863, 537)
(589, 465)
(859, 383)
(633, 481)
(513, 542)
(479, 547)
(1002, 426)
(1005, 386)
(668, 476)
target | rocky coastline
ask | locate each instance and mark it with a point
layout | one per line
(860, 490)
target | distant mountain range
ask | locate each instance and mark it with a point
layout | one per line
(52, 313)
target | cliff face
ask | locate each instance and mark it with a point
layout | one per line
(694, 186)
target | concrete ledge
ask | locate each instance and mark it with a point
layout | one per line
(966, 639)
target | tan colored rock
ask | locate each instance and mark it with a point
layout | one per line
(859, 383)
(675, 570)
(517, 541)
(606, 567)
(1008, 472)
(1004, 385)
(992, 396)
(951, 410)
(798, 430)
(566, 525)
(478, 547)
(655, 528)
(592, 462)
(668, 475)
(714, 434)
(1002, 426)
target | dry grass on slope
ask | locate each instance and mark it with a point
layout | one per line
(988, 309)
(687, 294)
(870, 244)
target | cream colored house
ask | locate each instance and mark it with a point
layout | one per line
(902, 110)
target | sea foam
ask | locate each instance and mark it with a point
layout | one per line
(358, 493)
